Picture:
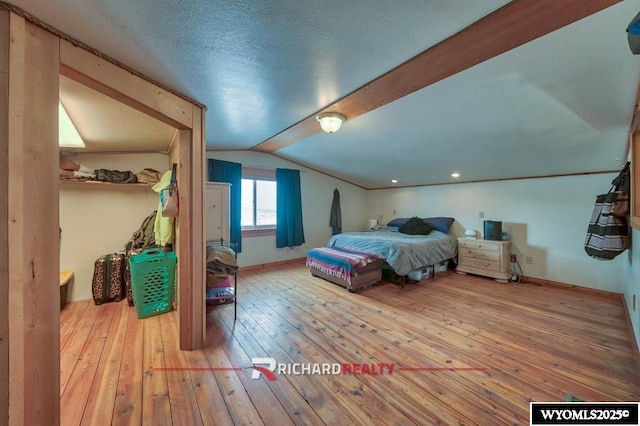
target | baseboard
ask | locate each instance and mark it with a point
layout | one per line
(549, 283)
(636, 350)
(271, 264)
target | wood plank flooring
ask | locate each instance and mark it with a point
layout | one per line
(463, 350)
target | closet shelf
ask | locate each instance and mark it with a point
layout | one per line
(99, 183)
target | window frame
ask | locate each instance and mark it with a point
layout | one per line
(255, 174)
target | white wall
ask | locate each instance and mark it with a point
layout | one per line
(317, 195)
(99, 219)
(545, 218)
(633, 284)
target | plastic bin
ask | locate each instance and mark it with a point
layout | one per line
(442, 266)
(153, 281)
(220, 295)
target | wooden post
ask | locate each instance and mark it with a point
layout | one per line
(199, 253)
(4, 216)
(29, 294)
(190, 236)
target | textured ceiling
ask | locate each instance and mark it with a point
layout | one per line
(560, 104)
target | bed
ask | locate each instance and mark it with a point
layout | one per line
(404, 253)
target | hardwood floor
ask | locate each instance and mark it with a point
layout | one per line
(463, 349)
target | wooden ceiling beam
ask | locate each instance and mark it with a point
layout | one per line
(106, 77)
(511, 26)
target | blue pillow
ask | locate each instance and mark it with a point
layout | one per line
(441, 224)
(398, 222)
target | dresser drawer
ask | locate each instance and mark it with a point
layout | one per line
(484, 257)
(491, 265)
(482, 245)
(479, 253)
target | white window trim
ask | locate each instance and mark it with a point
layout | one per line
(255, 174)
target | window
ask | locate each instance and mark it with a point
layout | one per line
(258, 201)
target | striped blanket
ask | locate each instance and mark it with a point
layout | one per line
(341, 262)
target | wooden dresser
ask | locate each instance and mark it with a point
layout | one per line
(216, 210)
(484, 257)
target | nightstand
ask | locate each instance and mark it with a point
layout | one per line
(484, 257)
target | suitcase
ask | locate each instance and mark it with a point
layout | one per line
(108, 279)
(127, 274)
(127, 283)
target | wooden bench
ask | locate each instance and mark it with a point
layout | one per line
(353, 270)
(65, 277)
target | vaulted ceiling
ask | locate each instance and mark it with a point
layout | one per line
(554, 103)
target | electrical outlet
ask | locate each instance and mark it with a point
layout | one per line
(529, 260)
(514, 258)
(394, 213)
(481, 214)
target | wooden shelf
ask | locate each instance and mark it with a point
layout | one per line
(99, 183)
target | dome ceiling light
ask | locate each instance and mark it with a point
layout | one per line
(330, 121)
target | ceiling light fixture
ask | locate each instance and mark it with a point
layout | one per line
(330, 121)
(455, 174)
(394, 180)
(68, 136)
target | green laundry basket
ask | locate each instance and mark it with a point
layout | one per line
(153, 281)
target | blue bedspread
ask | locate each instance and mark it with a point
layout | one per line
(404, 253)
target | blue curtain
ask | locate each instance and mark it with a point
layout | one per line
(289, 231)
(226, 171)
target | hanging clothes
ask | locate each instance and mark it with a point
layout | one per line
(163, 226)
(335, 220)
